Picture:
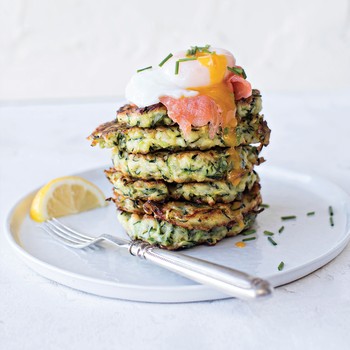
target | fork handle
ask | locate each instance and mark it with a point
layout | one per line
(229, 281)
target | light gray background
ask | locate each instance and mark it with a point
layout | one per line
(89, 48)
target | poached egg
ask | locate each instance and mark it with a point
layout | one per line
(196, 74)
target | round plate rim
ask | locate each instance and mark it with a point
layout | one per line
(203, 292)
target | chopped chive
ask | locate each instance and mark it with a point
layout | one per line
(182, 60)
(194, 49)
(238, 71)
(248, 239)
(281, 266)
(187, 59)
(281, 229)
(310, 213)
(264, 205)
(331, 221)
(248, 232)
(142, 69)
(271, 241)
(330, 210)
(166, 59)
(177, 67)
(290, 217)
(268, 233)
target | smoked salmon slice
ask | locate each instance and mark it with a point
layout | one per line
(240, 87)
(193, 111)
(202, 109)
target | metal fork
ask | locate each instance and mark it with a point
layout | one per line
(229, 281)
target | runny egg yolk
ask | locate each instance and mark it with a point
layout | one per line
(216, 64)
(218, 89)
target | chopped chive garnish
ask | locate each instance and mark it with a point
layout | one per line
(290, 217)
(177, 67)
(194, 49)
(271, 241)
(238, 70)
(182, 60)
(187, 59)
(248, 232)
(331, 221)
(142, 69)
(264, 205)
(281, 229)
(281, 266)
(165, 59)
(268, 233)
(310, 213)
(330, 210)
(248, 239)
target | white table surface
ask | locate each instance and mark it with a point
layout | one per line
(39, 142)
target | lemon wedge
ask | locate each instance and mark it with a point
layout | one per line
(64, 196)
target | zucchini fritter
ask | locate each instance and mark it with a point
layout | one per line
(170, 138)
(189, 166)
(198, 192)
(169, 236)
(195, 216)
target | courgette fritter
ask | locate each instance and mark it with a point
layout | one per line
(170, 138)
(198, 192)
(172, 237)
(188, 166)
(192, 215)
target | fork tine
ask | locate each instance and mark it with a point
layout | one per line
(70, 229)
(64, 234)
(58, 237)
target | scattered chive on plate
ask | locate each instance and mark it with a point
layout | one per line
(330, 210)
(248, 232)
(271, 240)
(248, 239)
(289, 217)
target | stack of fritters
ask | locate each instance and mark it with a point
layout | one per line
(178, 192)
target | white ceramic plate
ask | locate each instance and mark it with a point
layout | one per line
(306, 243)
